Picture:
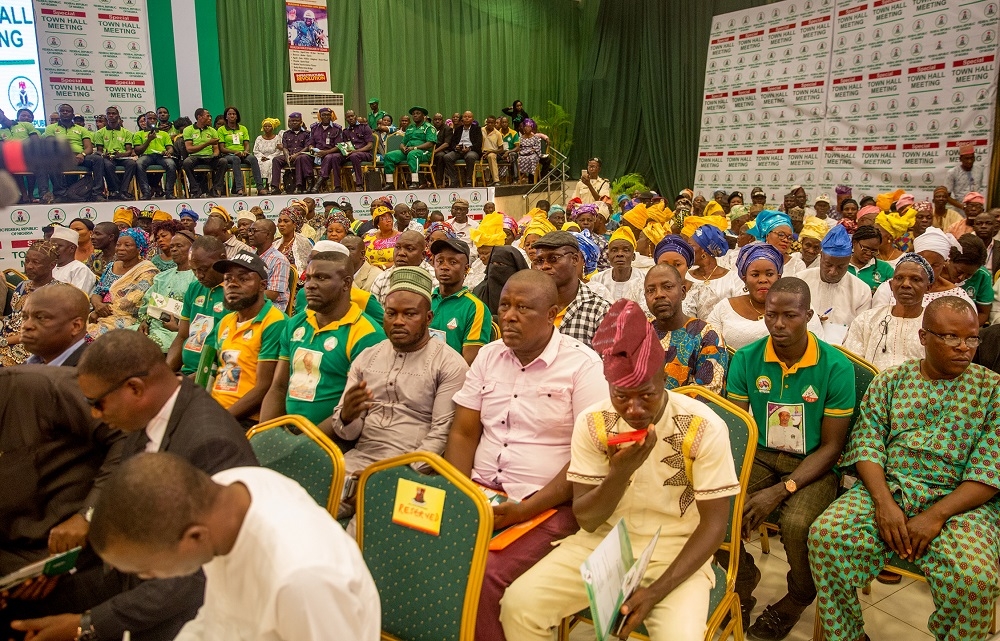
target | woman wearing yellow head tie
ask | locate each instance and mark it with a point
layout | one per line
(891, 225)
(538, 227)
(814, 229)
(265, 148)
(488, 235)
(380, 243)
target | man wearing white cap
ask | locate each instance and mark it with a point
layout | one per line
(822, 208)
(68, 269)
(966, 176)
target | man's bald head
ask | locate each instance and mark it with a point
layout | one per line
(121, 352)
(150, 501)
(535, 285)
(945, 306)
(54, 319)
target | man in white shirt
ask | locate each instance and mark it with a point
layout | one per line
(837, 295)
(513, 426)
(409, 251)
(623, 279)
(68, 269)
(592, 188)
(364, 273)
(459, 220)
(277, 565)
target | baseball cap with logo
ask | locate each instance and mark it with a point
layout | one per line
(246, 260)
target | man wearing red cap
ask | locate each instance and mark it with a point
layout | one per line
(655, 484)
(966, 176)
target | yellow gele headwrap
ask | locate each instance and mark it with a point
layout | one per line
(490, 231)
(713, 208)
(221, 211)
(379, 211)
(160, 215)
(123, 215)
(884, 201)
(895, 223)
(623, 233)
(275, 123)
(814, 227)
(692, 223)
(570, 225)
(659, 213)
(654, 232)
(638, 216)
(539, 224)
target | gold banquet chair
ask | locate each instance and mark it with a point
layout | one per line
(293, 446)
(724, 603)
(429, 585)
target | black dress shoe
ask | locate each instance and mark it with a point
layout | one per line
(772, 625)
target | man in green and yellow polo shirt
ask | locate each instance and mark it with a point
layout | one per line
(202, 143)
(247, 339)
(418, 144)
(204, 306)
(318, 345)
(80, 143)
(460, 318)
(800, 391)
(154, 146)
(365, 301)
(114, 144)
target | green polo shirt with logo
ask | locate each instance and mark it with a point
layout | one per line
(789, 403)
(979, 287)
(113, 141)
(511, 139)
(364, 300)
(874, 274)
(203, 307)
(18, 131)
(460, 319)
(200, 136)
(74, 134)
(233, 139)
(319, 358)
(158, 145)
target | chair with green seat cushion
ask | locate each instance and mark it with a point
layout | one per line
(724, 603)
(429, 585)
(293, 446)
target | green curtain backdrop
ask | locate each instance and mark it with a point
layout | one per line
(448, 55)
(452, 55)
(641, 88)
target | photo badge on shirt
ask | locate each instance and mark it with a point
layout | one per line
(786, 427)
(305, 376)
(228, 378)
(201, 329)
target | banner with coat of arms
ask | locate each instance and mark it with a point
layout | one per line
(875, 94)
(21, 225)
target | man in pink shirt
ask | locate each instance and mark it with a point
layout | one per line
(513, 426)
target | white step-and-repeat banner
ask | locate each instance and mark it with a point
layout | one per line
(874, 94)
(21, 225)
(94, 54)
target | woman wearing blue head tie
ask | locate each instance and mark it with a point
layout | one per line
(709, 281)
(740, 319)
(775, 229)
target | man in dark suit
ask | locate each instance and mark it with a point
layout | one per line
(129, 386)
(466, 144)
(55, 325)
(55, 456)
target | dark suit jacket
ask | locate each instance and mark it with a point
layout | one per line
(994, 267)
(208, 437)
(475, 135)
(988, 354)
(74, 359)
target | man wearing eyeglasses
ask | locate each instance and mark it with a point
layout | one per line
(158, 412)
(927, 450)
(55, 456)
(581, 310)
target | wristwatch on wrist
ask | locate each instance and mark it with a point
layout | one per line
(86, 630)
(791, 486)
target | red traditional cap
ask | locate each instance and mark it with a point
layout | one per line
(627, 344)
